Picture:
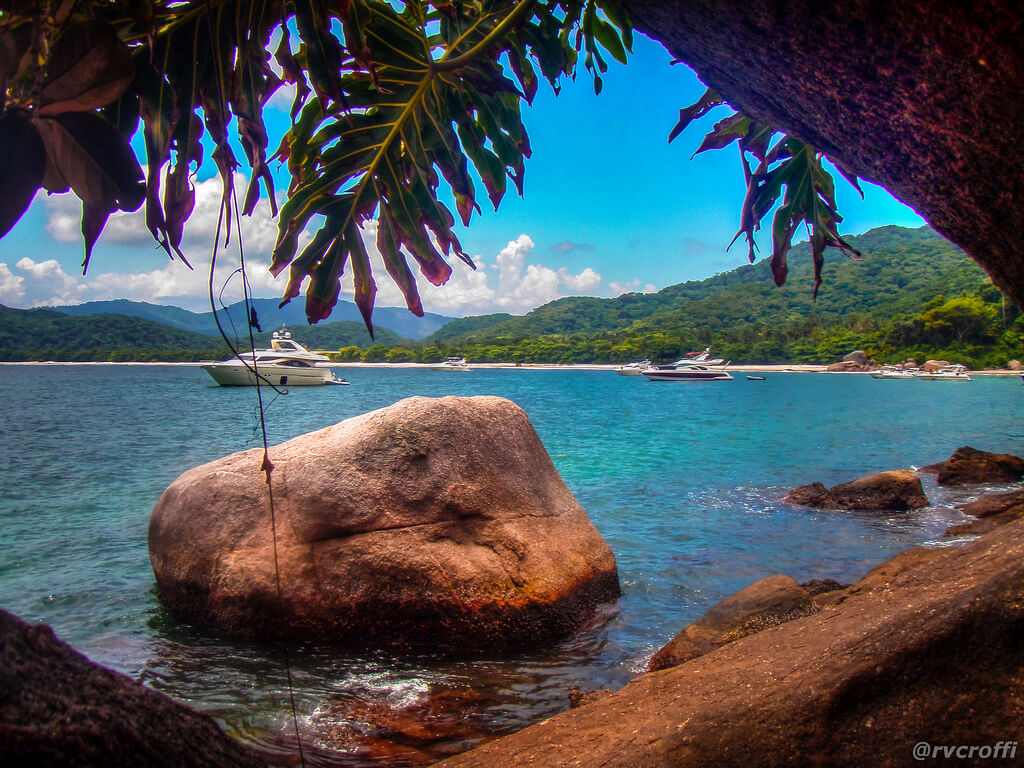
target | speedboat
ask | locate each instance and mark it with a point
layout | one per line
(947, 373)
(693, 372)
(287, 364)
(892, 372)
(456, 364)
(633, 369)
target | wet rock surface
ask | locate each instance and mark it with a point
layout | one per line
(58, 708)
(969, 466)
(763, 604)
(926, 647)
(898, 490)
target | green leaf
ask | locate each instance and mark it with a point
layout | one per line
(22, 165)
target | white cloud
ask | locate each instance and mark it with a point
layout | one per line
(510, 283)
(12, 291)
(631, 286)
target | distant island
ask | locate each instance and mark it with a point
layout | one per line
(913, 295)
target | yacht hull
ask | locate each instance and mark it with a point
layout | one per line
(237, 375)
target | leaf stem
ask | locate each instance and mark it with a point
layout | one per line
(516, 15)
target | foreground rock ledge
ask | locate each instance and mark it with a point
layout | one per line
(434, 522)
(57, 708)
(927, 650)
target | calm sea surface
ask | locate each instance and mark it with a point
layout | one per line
(682, 479)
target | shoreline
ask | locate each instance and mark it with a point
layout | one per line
(740, 368)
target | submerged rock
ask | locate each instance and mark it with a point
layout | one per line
(969, 466)
(440, 723)
(754, 608)
(57, 708)
(928, 651)
(898, 489)
(437, 523)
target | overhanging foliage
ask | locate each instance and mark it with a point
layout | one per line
(388, 102)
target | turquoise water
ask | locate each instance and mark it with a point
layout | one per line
(683, 480)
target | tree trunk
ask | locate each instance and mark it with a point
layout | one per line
(920, 96)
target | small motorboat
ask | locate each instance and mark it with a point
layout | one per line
(946, 373)
(892, 372)
(633, 369)
(755, 378)
(286, 364)
(452, 364)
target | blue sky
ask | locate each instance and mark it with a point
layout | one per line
(609, 206)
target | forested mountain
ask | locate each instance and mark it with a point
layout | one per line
(900, 269)
(45, 334)
(399, 321)
(913, 294)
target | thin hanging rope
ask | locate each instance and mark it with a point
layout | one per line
(266, 466)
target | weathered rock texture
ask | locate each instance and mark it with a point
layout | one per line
(969, 466)
(57, 708)
(927, 651)
(434, 522)
(899, 489)
(991, 512)
(918, 96)
(930, 366)
(761, 605)
(849, 366)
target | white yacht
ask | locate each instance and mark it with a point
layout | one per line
(287, 364)
(946, 373)
(693, 372)
(456, 364)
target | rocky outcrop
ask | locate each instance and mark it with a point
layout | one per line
(1015, 365)
(969, 466)
(761, 605)
(857, 356)
(57, 708)
(991, 512)
(927, 651)
(930, 366)
(898, 490)
(434, 522)
(849, 366)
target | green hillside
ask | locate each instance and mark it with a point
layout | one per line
(44, 334)
(912, 294)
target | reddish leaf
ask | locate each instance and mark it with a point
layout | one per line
(22, 165)
(89, 68)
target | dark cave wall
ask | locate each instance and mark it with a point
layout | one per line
(923, 98)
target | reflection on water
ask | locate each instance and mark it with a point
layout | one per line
(683, 481)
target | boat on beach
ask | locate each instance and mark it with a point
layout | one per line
(286, 364)
(946, 373)
(892, 372)
(633, 369)
(452, 364)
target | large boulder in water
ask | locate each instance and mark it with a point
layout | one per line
(434, 522)
(57, 708)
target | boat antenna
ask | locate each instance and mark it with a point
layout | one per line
(266, 466)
